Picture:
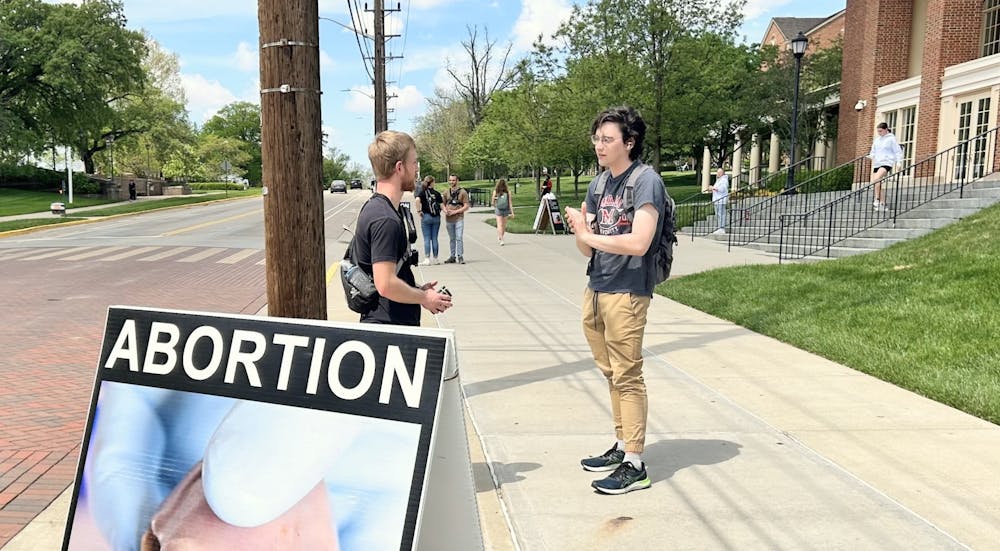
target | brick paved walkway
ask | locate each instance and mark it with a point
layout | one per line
(51, 325)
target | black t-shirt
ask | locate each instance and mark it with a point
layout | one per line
(381, 238)
(428, 196)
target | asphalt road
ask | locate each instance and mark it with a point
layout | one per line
(57, 285)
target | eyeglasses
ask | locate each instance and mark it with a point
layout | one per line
(606, 140)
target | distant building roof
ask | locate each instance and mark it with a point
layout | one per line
(792, 26)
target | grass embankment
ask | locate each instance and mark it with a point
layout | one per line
(16, 201)
(30, 200)
(679, 184)
(923, 315)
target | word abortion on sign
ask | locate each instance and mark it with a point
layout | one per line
(241, 432)
(245, 349)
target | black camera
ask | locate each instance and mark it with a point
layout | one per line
(412, 258)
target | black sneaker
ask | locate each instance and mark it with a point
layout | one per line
(608, 461)
(451, 260)
(625, 479)
(461, 260)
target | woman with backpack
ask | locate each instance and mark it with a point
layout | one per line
(503, 207)
(429, 204)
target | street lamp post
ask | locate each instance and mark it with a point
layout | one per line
(149, 168)
(799, 44)
(110, 140)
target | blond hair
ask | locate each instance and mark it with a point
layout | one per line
(389, 148)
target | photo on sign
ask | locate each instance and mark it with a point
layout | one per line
(216, 472)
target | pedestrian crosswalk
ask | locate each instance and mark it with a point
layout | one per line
(217, 255)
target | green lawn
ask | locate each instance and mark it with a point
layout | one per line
(120, 208)
(679, 185)
(923, 315)
(16, 201)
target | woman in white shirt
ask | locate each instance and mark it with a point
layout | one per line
(885, 153)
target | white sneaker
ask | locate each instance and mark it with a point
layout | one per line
(425, 262)
(875, 203)
(501, 242)
(436, 260)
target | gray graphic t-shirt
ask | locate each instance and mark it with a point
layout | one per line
(614, 273)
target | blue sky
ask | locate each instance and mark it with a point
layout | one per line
(216, 42)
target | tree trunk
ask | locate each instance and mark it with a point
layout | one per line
(292, 156)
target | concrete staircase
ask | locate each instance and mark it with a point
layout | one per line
(919, 221)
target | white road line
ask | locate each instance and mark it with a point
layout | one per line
(56, 252)
(127, 254)
(10, 254)
(234, 258)
(202, 255)
(91, 254)
(165, 254)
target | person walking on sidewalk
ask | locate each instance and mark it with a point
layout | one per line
(503, 207)
(429, 205)
(885, 153)
(617, 297)
(456, 203)
(720, 196)
(382, 241)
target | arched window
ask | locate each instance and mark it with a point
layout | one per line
(991, 27)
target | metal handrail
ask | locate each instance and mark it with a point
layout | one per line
(696, 208)
(750, 223)
(942, 173)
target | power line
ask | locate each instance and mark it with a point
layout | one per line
(357, 38)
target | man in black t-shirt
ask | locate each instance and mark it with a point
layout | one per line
(382, 244)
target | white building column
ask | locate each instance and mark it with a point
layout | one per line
(737, 168)
(706, 169)
(819, 157)
(755, 160)
(774, 161)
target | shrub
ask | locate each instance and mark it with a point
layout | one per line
(214, 186)
(30, 177)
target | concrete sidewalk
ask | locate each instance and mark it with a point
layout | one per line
(752, 444)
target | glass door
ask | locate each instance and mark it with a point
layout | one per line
(972, 153)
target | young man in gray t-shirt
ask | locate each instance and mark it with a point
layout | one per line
(621, 286)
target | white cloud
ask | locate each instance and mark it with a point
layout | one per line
(419, 59)
(361, 99)
(247, 58)
(756, 8)
(186, 10)
(409, 100)
(429, 4)
(539, 17)
(204, 97)
(326, 63)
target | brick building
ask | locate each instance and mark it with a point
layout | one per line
(928, 68)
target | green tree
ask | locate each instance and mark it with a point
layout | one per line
(487, 72)
(627, 48)
(240, 121)
(337, 166)
(484, 150)
(62, 69)
(441, 133)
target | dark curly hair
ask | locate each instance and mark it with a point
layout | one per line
(630, 123)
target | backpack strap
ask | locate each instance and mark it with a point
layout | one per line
(633, 177)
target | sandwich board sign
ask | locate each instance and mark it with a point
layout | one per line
(243, 432)
(548, 215)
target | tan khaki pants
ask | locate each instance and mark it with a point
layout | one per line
(613, 324)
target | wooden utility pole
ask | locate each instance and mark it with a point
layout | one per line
(291, 154)
(381, 113)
